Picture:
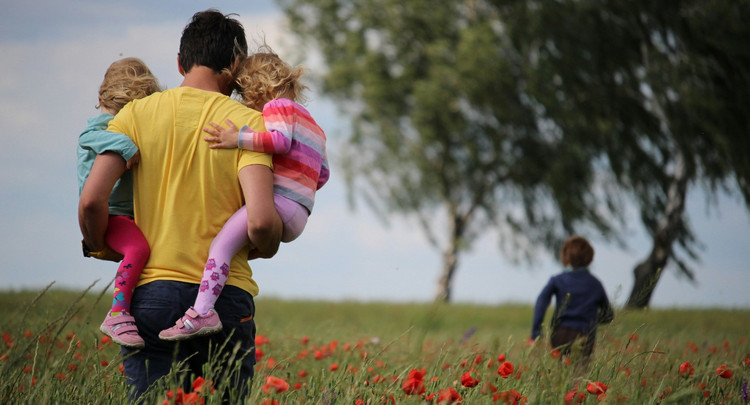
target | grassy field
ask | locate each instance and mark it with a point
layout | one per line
(376, 353)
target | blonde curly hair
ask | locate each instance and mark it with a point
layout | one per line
(125, 80)
(263, 76)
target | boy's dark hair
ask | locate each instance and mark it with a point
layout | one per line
(213, 40)
(576, 252)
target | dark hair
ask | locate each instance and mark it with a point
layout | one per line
(576, 252)
(213, 40)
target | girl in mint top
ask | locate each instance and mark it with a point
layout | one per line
(125, 80)
(298, 144)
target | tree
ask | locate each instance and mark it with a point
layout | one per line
(656, 86)
(537, 117)
(443, 130)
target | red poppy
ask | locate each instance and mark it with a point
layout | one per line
(302, 374)
(275, 384)
(501, 358)
(555, 354)
(193, 398)
(478, 359)
(414, 382)
(596, 388)
(200, 382)
(468, 381)
(511, 397)
(488, 388)
(686, 370)
(305, 339)
(506, 369)
(574, 397)
(449, 396)
(269, 401)
(260, 340)
(258, 354)
(723, 371)
(334, 367)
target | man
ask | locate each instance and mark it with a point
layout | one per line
(183, 194)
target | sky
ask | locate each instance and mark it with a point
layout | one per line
(54, 58)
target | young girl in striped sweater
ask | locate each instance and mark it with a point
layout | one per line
(268, 84)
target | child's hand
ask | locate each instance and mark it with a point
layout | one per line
(223, 138)
(133, 160)
(104, 254)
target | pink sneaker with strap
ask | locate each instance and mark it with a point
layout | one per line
(193, 324)
(122, 330)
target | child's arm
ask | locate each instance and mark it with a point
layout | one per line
(274, 141)
(540, 309)
(101, 141)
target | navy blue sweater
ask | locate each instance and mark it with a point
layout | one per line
(580, 302)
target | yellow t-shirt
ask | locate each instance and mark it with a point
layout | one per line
(183, 191)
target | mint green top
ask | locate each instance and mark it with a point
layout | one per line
(96, 140)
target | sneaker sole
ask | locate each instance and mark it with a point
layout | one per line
(208, 330)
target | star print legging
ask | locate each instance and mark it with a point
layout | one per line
(232, 237)
(124, 237)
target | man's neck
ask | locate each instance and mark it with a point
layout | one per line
(204, 78)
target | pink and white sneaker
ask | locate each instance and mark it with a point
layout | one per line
(122, 330)
(192, 324)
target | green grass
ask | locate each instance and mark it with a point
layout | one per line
(52, 352)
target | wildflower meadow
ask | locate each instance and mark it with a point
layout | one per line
(384, 353)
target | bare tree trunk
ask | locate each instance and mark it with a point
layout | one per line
(647, 273)
(445, 282)
(450, 260)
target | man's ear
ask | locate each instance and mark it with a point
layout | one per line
(179, 66)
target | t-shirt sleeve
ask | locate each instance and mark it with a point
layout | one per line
(122, 123)
(106, 141)
(248, 158)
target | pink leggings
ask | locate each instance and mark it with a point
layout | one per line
(232, 237)
(124, 237)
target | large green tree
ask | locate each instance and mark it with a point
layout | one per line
(532, 117)
(658, 88)
(442, 128)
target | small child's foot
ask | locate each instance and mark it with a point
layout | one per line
(121, 328)
(193, 324)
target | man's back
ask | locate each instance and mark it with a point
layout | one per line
(184, 191)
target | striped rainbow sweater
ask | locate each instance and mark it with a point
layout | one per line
(300, 164)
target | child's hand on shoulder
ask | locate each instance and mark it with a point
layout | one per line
(223, 138)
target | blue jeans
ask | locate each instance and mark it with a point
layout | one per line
(157, 306)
